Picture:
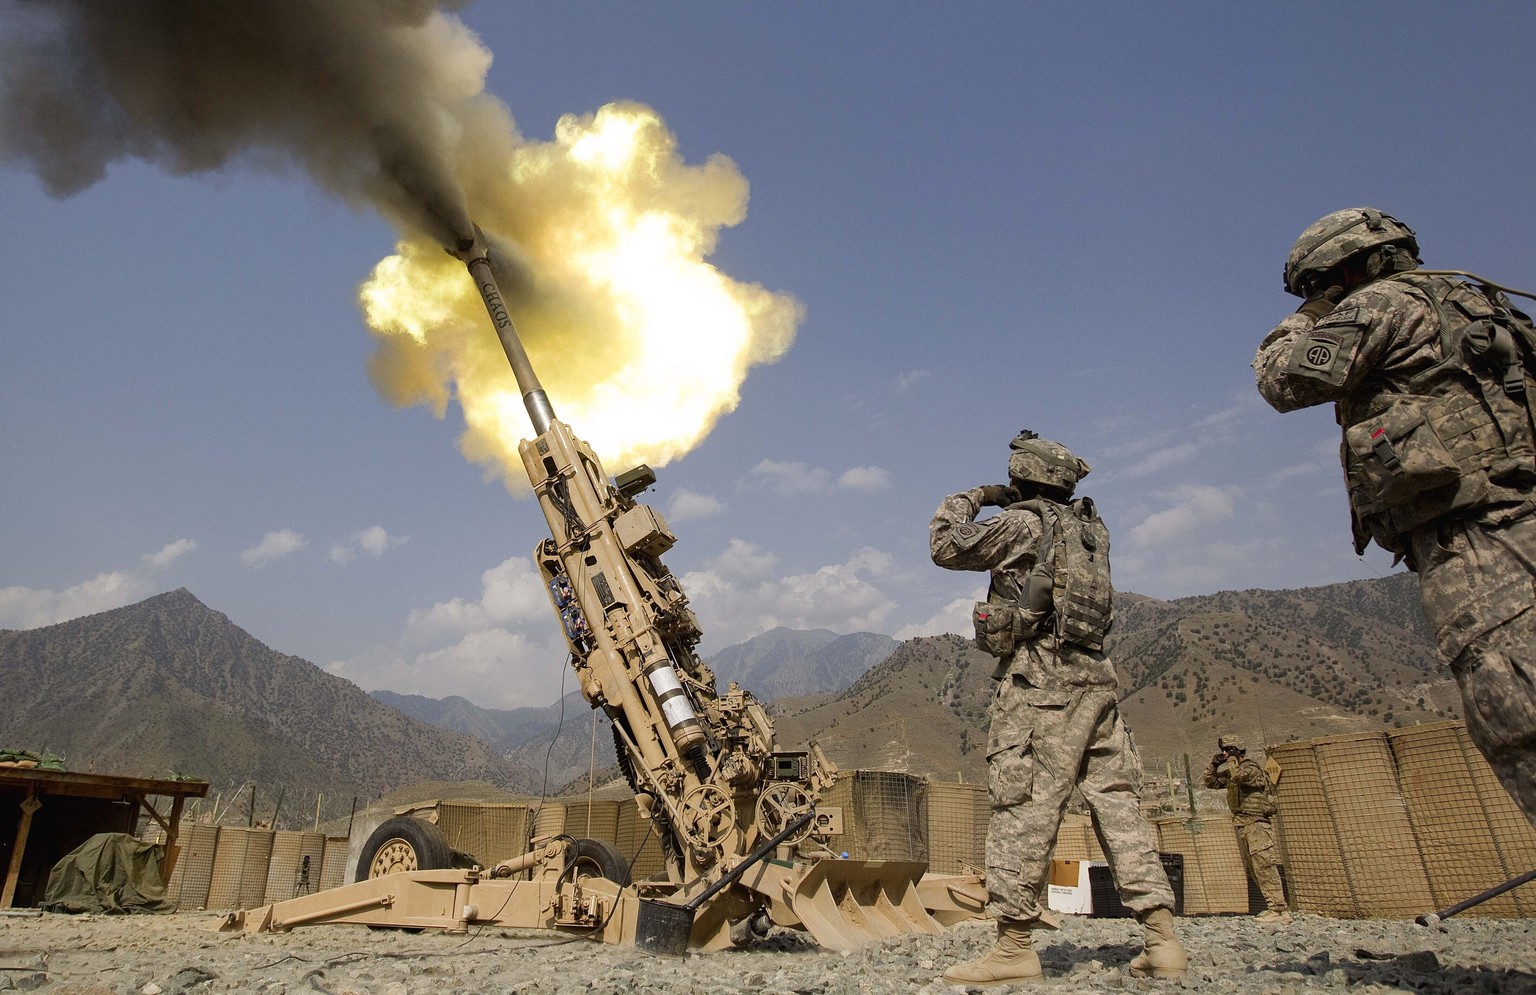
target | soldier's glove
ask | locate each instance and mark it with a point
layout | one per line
(1320, 305)
(1000, 495)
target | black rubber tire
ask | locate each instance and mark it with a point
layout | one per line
(406, 841)
(596, 858)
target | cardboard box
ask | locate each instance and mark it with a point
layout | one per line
(1067, 890)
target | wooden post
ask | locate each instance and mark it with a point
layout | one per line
(29, 806)
(172, 846)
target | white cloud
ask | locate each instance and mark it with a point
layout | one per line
(512, 592)
(737, 596)
(1162, 459)
(28, 608)
(493, 668)
(687, 506)
(911, 379)
(1283, 474)
(954, 617)
(374, 541)
(792, 478)
(168, 554)
(1193, 506)
(273, 546)
(802, 478)
(503, 649)
(865, 478)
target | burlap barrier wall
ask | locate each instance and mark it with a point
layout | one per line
(595, 820)
(957, 827)
(1512, 832)
(1456, 841)
(489, 831)
(193, 872)
(883, 815)
(1307, 835)
(240, 859)
(1214, 879)
(1399, 823)
(288, 876)
(334, 871)
(1381, 857)
(1076, 839)
(638, 843)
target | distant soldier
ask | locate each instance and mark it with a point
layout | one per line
(1251, 798)
(1431, 378)
(1054, 723)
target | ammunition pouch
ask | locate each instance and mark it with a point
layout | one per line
(1419, 459)
(1001, 628)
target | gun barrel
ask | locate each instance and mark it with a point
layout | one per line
(476, 255)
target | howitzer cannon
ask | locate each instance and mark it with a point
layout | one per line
(703, 763)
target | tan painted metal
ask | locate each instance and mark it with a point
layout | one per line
(703, 762)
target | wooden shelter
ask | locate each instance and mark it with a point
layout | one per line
(44, 814)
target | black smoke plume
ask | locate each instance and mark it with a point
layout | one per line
(365, 96)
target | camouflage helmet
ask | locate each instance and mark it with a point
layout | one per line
(1047, 464)
(1335, 237)
(1229, 742)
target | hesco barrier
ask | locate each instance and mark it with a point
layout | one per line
(957, 827)
(883, 815)
(1214, 879)
(295, 866)
(233, 867)
(490, 831)
(1390, 824)
(190, 878)
(1395, 824)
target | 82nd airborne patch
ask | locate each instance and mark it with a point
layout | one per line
(1325, 353)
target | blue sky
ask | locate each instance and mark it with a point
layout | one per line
(1070, 218)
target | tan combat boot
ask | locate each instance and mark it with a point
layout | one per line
(1164, 954)
(1012, 959)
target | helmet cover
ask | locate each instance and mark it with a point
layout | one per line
(1333, 238)
(1044, 463)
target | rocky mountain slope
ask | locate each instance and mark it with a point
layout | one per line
(170, 686)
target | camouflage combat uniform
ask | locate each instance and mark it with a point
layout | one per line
(1476, 561)
(1247, 787)
(1054, 725)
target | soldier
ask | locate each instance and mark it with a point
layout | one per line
(1252, 803)
(1431, 378)
(1054, 723)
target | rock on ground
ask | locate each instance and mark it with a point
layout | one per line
(180, 953)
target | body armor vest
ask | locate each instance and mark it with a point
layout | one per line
(1452, 437)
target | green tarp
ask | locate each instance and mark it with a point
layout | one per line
(110, 872)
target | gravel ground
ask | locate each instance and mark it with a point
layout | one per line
(160, 955)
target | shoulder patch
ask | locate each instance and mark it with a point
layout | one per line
(967, 534)
(1341, 316)
(1325, 353)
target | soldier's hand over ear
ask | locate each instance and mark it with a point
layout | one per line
(1320, 305)
(1000, 495)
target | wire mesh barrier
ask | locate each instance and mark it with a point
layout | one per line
(957, 827)
(1214, 879)
(294, 868)
(489, 831)
(1307, 834)
(193, 871)
(1395, 824)
(240, 861)
(882, 815)
(1456, 841)
(1390, 824)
